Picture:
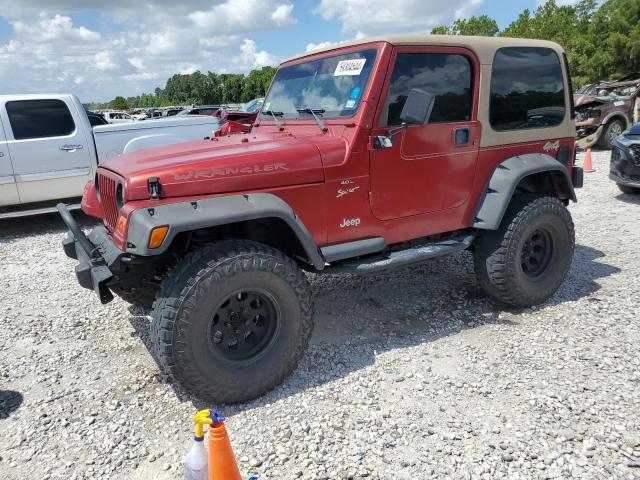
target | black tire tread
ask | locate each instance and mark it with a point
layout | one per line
(215, 262)
(493, 258)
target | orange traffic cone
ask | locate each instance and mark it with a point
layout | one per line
(587, 167)
(222, 461)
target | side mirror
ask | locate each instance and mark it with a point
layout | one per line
(416, 111)
(417, 108)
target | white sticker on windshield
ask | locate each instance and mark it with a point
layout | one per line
(267, 106)
(350, 105)
(349, 67)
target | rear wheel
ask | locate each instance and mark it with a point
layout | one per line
(232, 321)
(628, 189)
(526, 260)
(612, 130)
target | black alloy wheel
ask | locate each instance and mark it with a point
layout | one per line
(244, 325)
(536, 253)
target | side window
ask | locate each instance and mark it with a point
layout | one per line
(446, 76)
(527, 89)
(39, 119)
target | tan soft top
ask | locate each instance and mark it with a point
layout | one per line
(484, 47)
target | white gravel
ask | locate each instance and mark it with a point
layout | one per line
(410, 375)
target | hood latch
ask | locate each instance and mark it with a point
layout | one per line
(153, 184)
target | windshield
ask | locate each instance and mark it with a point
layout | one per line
(253, 105)
(331, 86)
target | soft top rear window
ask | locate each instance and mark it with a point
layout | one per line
(527, 89)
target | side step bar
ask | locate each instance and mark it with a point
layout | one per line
(401, 258)
(35, 211)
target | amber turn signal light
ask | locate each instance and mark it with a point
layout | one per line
(157, 236)
(121, 227)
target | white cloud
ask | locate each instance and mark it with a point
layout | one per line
(251, 55)
(104, 62)
(558, 2)
(399, 16)
(54, 29)
(48, 50)
(244, 14)
(318, 46)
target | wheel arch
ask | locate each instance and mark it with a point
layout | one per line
(617, 116)
(530, 173)
(261, 217)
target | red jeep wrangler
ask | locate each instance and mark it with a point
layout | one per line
(366, 157)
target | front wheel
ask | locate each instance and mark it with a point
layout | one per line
(612, 130)
(232, 321)
(525, 261)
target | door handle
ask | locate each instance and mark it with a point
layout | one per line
(70, 148)
(461, 136)
(1, 154)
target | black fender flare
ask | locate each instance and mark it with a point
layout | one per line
(505, 179)
(211, 212)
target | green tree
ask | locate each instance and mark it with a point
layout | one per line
(483, 25)
(256, 83)
(231, 87)
(119, 103)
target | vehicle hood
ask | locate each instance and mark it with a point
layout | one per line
(160, 123)
(580, 100)
(593, 100)
(226, 164)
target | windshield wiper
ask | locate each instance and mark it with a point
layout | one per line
(275, 116)
(313, 112)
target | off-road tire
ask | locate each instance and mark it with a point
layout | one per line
(629, 190)
(498, 255)
(611, 130)
(191, 296)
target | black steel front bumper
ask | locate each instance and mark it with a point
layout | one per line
(96, 255)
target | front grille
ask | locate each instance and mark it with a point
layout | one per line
(635, 153)
(107, 188)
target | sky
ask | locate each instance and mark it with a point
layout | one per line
(99, 49)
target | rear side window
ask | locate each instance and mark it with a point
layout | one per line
(527, 89)
(446, 76)
(39, 119)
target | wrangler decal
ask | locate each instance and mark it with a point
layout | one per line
(223, 172)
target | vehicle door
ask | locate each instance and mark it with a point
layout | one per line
(49, 150)
(8, 189)
(427, 168)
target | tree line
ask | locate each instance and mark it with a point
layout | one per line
(602, 42)
(199, 89)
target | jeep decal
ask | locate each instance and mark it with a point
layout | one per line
(223, 172)
(350, 222)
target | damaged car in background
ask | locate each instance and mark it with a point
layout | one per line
(606, 109)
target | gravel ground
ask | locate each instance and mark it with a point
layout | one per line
(412, 374)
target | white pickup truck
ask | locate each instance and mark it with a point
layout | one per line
(48, 150)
